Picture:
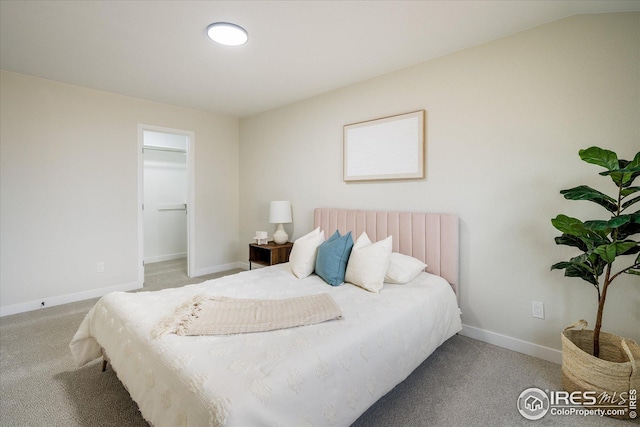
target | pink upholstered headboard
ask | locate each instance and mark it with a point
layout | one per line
(432, 238)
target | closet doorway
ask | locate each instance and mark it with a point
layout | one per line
(165, 193)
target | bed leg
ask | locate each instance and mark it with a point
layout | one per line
(105, 359)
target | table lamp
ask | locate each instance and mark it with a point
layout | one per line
(280, 213)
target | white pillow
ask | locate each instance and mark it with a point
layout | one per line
(368, 263)
(302, 259)
(403, 268)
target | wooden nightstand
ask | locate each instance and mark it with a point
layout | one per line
(269, 254)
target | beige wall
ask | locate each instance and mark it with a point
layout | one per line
(69, 188)
(505, 122)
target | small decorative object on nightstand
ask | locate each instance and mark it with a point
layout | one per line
(261, 238)
(269, 254)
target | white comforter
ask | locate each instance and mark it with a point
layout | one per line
(318, 375)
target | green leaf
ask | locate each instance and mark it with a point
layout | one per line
(568, 225)
(630, 228)
(607, 252)
(633, 251)
(581, 267)
(623, 177)
(584, 192)
(628, 203)
(561, 265)
(626, 171)
(598, 156)
(628, 191)
(626, 247)
(601, 225)
(581, 271)
(598, 265)
(569, 240)
(636, 272)
(575, 227)
(635, 163)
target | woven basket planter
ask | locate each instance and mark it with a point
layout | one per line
(615, 372)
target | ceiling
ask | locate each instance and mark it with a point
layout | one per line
(158, 50)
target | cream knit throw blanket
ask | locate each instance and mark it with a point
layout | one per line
(217, 315)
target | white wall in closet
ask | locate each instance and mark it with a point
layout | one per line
(165, 196)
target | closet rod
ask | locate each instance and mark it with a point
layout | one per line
(153, 147)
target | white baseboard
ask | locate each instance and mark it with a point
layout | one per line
(8, 310)
(161, 258)
(218, 269)
(514, 344)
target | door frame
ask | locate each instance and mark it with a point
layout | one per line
(190, 196)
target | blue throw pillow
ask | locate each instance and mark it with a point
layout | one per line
(333, 254)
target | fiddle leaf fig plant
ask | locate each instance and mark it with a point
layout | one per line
(603, 241)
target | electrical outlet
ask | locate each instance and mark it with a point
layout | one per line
(100, 267)
(537, 309)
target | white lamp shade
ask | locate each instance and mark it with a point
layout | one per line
(280, 212)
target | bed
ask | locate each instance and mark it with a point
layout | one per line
(327, 373)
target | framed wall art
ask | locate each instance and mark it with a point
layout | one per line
(386, 148)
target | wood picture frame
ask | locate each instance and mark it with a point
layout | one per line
(385, 149)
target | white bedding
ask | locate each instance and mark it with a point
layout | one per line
(324, 374)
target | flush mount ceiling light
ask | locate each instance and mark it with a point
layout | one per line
(227, 34)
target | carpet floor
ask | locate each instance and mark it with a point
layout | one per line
(463, 383)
